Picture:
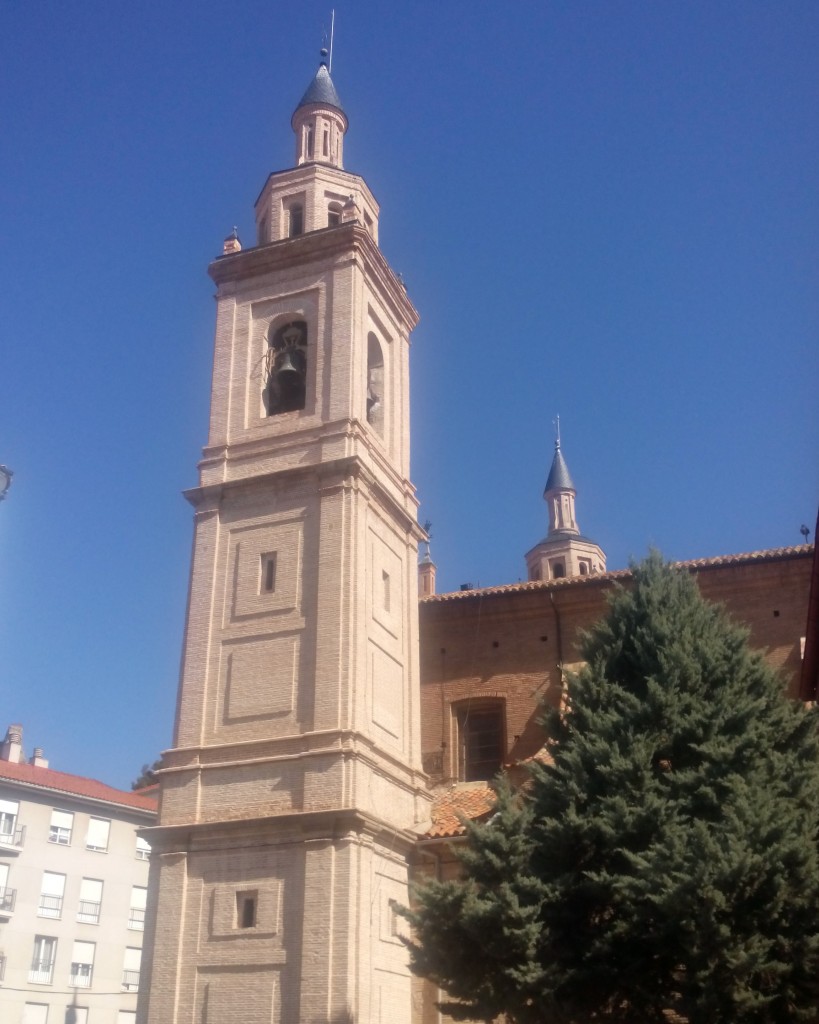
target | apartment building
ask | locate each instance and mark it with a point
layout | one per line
(73, 885)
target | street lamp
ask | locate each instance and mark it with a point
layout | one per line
(5, 480)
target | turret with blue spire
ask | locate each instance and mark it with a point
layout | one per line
(564, 551)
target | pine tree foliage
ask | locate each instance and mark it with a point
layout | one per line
(666, 862)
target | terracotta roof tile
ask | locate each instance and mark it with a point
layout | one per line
(450, 806)
(75, 785)
(769, 555)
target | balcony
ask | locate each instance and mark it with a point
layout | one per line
(41, 972)
(130, 980)
(12, 841)
(50, 906)
(136, 919)
(88, 912)
(80, 976)
(7, 898)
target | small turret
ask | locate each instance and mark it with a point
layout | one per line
(319, 121)
(564, 551)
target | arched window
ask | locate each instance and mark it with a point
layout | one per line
(333, 215)
(481, 739)
(308, 141)
(558, 570)
(286, 368)
(375, 384)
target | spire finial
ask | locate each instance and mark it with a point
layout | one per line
(556, 425)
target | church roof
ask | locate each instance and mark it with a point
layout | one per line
(559, 478)
(692, 565)
(321, 90)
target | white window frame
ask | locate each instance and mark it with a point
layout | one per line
(61, 827)
(52, 894)
(90, 904)
(42, 960)
(131, 967)
(83, 954)
(97, 827)
(136, 913)
(143, 848)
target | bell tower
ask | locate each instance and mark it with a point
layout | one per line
(293, 790)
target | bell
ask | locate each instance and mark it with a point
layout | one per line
(287, 366)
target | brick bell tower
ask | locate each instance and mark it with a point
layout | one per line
(293, 790)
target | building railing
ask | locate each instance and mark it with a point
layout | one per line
(130, 980)
(88, 912)
(50, 906)
(7, 898)
(80, 976)
(41, 972)
(16, 837)
(136, 919)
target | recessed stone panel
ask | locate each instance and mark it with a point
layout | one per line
(261, 677)
(386, 687)
(257, 592)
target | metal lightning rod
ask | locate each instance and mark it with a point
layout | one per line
(332, 29)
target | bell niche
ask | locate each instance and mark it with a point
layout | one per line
(286, 368)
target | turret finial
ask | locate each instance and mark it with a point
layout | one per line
(556, 425)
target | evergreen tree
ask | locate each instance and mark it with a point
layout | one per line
(147, 777)
(666, 861)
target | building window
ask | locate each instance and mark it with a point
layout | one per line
(35, 1013)
(295, 220)
(481, 745)
(333, 215)
(143, 849)
(51, 895)
(42, 961)
(246, 909)
(263, 230)
(97, 837)
(375, 383)
(584, 568)
(88, 910)
(62, 824)
(326, 142)
(126, 1017)
(82, 964)
(76, 1015)
(130, 968)
(558, 570)
(7, 895)
(136, 915)
(9, 810)
(308, 141)
(286, 368)
(267, 583)
(368, 222)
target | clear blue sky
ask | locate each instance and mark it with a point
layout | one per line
(604, 210)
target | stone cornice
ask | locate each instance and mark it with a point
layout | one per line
(346, 240)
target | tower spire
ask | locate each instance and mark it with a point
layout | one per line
(564, 551)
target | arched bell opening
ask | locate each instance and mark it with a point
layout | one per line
(375, 384)
(286, 368)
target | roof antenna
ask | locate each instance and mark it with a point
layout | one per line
(556, 425)
(332, 31)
